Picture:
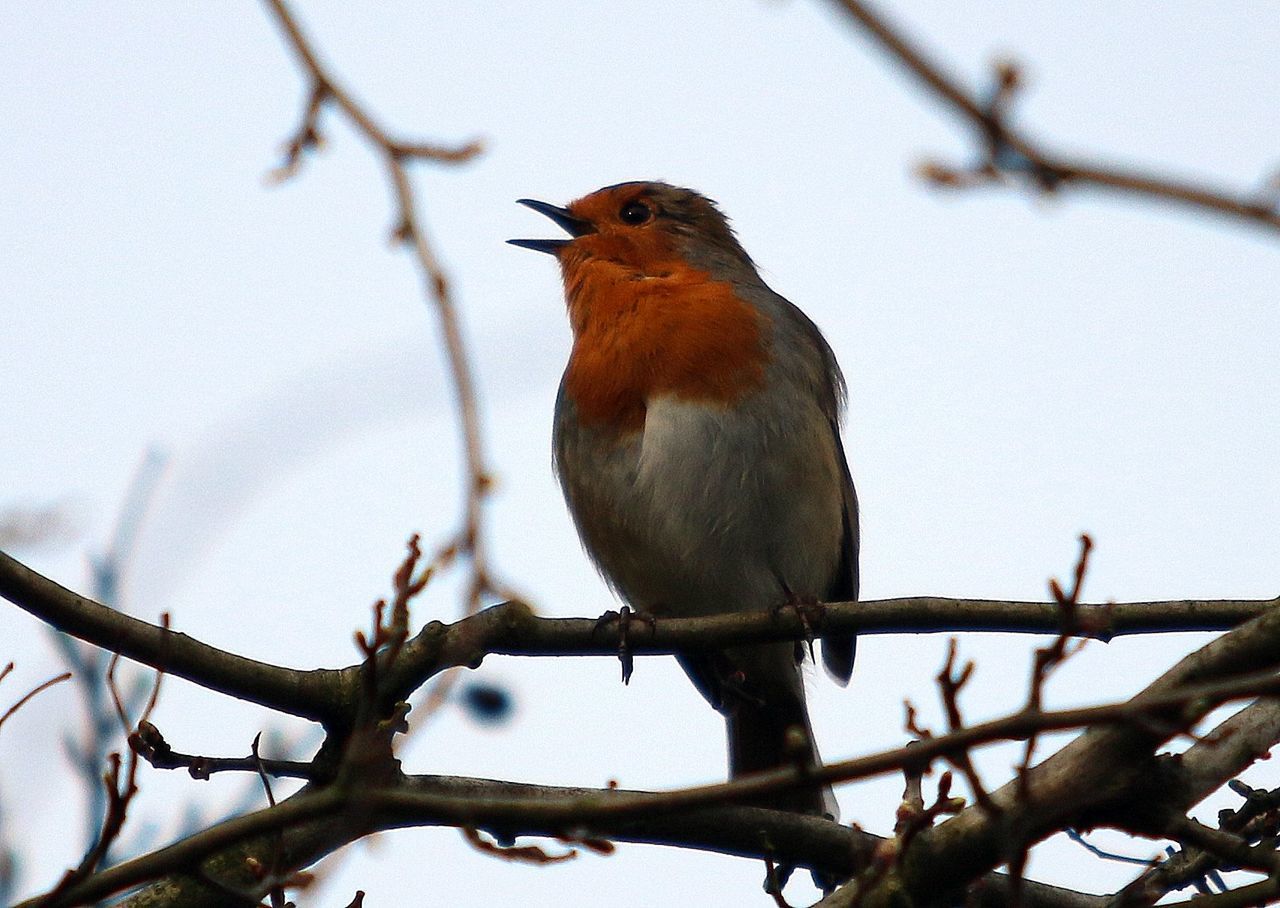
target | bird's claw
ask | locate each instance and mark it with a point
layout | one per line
(624, 617)
(604, 621)
(810, 612)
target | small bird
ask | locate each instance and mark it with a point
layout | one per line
(697, 441)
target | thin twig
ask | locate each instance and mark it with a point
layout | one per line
(1079, 839)
(277, 839)
(1048, 658)
(151, 745)
(27, 697)
(950, 683)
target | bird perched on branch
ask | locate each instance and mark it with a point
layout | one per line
(697, 442)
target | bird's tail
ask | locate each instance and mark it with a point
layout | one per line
(773, 730)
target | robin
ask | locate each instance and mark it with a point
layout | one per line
(697, 441)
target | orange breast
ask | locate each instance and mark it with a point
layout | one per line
(673, 331)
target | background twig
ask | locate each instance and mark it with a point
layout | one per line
(1011, 154)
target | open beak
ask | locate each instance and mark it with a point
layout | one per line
(574, 226)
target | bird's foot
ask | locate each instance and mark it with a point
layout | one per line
(624, 617)
(809, 611)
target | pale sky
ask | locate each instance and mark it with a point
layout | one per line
(1020, 370)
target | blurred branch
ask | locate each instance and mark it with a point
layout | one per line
(88, 750)
(33, 526)
(121, 789)
(396, 153)
(22, 701)
(109, 567)
(1010, 154)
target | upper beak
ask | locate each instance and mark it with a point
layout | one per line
(574, 226)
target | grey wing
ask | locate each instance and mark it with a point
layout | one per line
(838, 652)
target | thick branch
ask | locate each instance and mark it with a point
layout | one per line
(1105, 772)
(319, 824)
(310, 694)
(1221, 755)
(1188, 778)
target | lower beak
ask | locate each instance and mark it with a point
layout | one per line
(573, 225)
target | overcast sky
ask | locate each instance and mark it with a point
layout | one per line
(1020, 370)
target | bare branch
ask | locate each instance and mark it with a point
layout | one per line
(512, 629)
(1099, 775)
(311, 694)
(1010, 154)
(329, 695)
(151, 745)
(510, 809)
(316, 823)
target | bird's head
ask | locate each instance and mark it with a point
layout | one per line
(653, 279)
(647, 229)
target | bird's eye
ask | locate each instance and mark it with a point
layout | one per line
(634, 213)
